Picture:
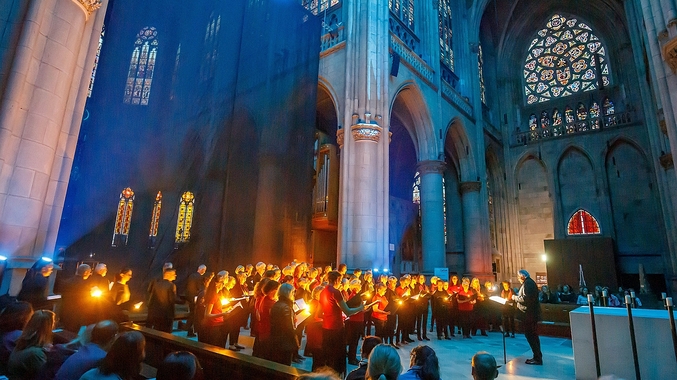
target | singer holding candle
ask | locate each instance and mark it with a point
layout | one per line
(527, 303)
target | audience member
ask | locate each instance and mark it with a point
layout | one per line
(324, 373)
(547, 296)
(89, 355)
(583, 297)
(384, 363)
(368, 345)
(179, 365)
(123, 361)
(13, 319)
(566, 296)
(423, 365)
(30, 353)
(484, 366)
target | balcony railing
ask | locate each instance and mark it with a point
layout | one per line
(581, 126)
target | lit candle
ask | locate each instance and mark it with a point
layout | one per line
(627, 300)
(137, 306)
(224, 301)
(96, 292)
(663, 295)
(668, 301)
(590, 299)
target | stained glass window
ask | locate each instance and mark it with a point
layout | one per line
(123, 217)
(96, 62)
(155, 219)
(562, 60)
(545, 120)
(141, 67)
(185, 219)
(569, 118)
(594, 115)
(211, 48)
(416, 192)
(444, 208)
(175, 73)
(582, 223)
(317, 6)
(556, 122)
(404, 9)
(446, 51)
(480, 65)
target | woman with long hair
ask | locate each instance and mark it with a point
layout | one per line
(123, 360)
(261, 343)
(423, 365)
(282, 330)
(214, 315)
(384, 363)
(30, 353)
(13, 319)
(180, 365)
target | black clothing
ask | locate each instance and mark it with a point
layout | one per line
(75, 310)
(358, 373)
(282, 332)
(527, 302)
(34, 290)
(161, 305)
(194, 285)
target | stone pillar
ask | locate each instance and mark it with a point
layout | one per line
(364, 198)
(477, 260)
(432, 215)
(37, 141)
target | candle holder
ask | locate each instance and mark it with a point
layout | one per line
(633, 341)
(591, 302)
(671, 317)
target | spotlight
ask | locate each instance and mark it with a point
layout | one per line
(385, 270)
(375, 270)
(47, 259)
(544, 257)
(2, 258)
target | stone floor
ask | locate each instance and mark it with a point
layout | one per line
(454, 356)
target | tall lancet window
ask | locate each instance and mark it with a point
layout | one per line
(96, 62)
(155, 220)
(416, 198)
(564, 58)
(211, 48)
(480, 66)
(404, 9)
(446, 46)
(123, 218)
(141, 67)
(185, 219)
(583, 223)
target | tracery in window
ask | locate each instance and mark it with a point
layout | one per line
(123, 217)
(563, 59)
(556, 122)
(446, 34)
(594, 115)
(404, 9)
(318, 6)
(96, 62)
(569, 118)
(545, 120)
(582, 223)
(141, 67)
(416, 189)
(480, 65)
(155, 219)
(185, 219)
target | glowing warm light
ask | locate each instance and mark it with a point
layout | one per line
(224, 301)
(367, 294)
(446, 298)
(399, 302)
(544, 257)
(96, 292)
(137, 305)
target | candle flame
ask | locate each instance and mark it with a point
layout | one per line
(96, 292)
(137, 306)
(224, 301)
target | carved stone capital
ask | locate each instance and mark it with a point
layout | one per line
(339, 138)
(470, 186)
(431, 166)
(89, 6)
(666, 161)
(670, 54)
(366, 132)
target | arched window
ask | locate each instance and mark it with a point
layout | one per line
(123, 218)
(594, 115)
(582, 115)
(446, 46)
(480, 65)
(562, 60)
(317, 6)
(609, 111)
(155, 220)
(185, 219)
(141, 67)
(404, 9)
(416, 189)
(211, 47)
(582, 223)
(570, 120)
(545, 120)
(556, 122)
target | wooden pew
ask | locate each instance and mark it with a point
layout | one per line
(555, 320)
(216, 362)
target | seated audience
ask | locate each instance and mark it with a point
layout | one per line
(384, 363)
(323, 373)
(368, 345)
(30, 353)
(423, 365)
(13, 318)
(123, 361)
(566, 296)
(484, 366)
(547, 296)
(583, 297)
(179, 365)
(89, 355)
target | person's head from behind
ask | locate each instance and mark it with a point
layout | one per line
(15, 316)
(125, 355)
(384, 363)
(323, 373)
(334, 278)
(368, 345)
(285, 292)
(484, 366)
(425, 358)
(179, 365)
(38, 330)
(316, 292)
(270, 288)
(83, 271)
(104, 333)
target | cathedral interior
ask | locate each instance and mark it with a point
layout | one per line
(405, 136)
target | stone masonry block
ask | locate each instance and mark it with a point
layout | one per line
(21, 182)
(22, 212)
(35, 156)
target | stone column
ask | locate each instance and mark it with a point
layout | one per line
(363, 200)
(432, 215)
(477, 260)
(36, 137)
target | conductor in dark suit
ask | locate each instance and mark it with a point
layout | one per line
(527, 302)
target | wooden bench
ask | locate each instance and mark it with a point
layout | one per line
(216, 362)
(555, 320)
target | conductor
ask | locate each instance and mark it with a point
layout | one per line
(527, 302)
